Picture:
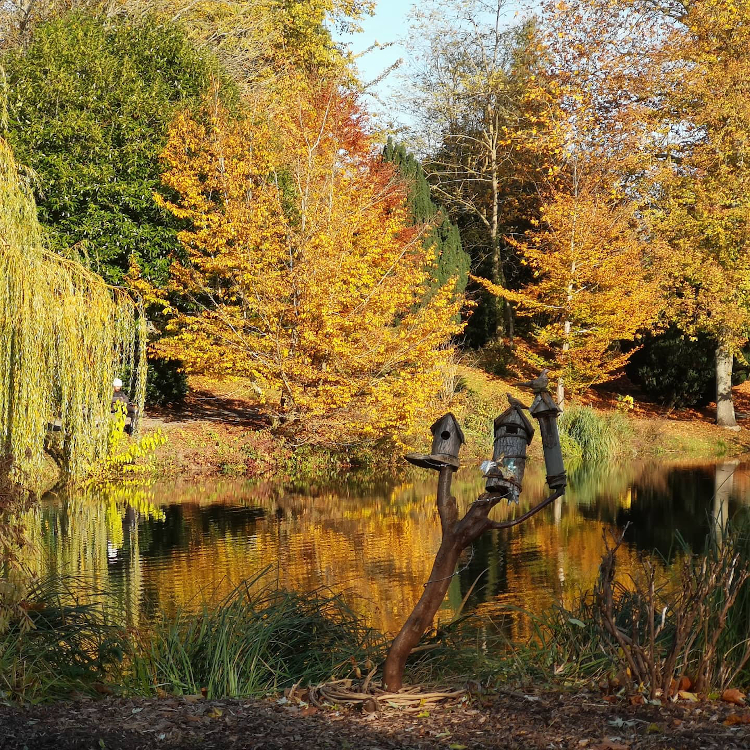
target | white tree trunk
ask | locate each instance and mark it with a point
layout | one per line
(724, 403)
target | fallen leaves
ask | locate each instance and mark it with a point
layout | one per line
(611, 745)
(734, 719)
(732, 695)
(687, 696)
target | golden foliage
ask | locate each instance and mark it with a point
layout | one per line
(300, 269)
(701, 167)
(593, 280)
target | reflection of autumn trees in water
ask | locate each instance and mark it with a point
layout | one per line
(167, 547)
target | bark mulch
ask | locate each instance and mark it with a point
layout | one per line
(508, 720)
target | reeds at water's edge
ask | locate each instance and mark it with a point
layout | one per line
(258, 640)
(644, 634)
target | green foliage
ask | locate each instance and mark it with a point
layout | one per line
(90, 101)
(675, 369)
(590, 435)
(443, 236)
(166, 383)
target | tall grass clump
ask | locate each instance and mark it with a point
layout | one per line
(590, 435)
(254, 643)
(58, 646)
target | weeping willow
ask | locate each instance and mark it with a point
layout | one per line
(64, 336)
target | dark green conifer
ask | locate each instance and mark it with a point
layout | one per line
(444, 236)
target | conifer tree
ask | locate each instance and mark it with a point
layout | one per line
(443, 237)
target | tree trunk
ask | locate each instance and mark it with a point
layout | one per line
(510, 322)
(561, 393)
(423, 614)
(434, 591)
(498, 272)
(564, 359)
(723, 488)
(724, 404)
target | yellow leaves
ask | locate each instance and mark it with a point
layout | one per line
(301, 269)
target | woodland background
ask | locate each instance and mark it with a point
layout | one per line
(573, 195)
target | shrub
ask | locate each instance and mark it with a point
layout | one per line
(674, 369)
(166, 383)
(654, 630)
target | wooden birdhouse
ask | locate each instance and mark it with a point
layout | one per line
(547, 411)
(513, 433)
(447, 439)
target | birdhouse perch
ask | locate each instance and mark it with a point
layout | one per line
(546, 411)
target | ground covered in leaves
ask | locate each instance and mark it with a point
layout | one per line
(506, 719)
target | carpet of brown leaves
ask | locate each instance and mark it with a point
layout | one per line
(506, 719)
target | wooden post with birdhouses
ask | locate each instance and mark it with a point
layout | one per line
(513, 433)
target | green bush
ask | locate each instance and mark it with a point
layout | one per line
(259, 640)
(674, 369)
(91, 98)
(166, 383)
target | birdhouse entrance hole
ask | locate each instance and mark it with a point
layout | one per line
(511, 430)
(445, 434)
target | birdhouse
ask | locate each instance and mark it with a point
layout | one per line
(547, 411)
(447, 439)
(513, 433)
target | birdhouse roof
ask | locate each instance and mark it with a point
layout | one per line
(515, 416)
(544, 403)
(450, 422)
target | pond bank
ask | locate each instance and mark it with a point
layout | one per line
(221, 431)
(517, 719)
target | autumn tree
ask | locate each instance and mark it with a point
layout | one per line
(595, 277)
(700, 176)
(260, 42)
(469, 74)
(301, 271)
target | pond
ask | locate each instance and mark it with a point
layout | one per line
(170, 546)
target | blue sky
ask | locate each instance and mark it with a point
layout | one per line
(390, 24)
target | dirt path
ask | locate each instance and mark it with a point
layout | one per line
(508, 720)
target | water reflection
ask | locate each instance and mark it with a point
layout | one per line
(165, 547)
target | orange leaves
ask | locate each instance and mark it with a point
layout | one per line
(591, 285)
(300, 269)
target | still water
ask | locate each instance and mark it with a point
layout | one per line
(170, 546)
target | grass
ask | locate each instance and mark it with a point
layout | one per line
(590, 435)
(253, 643)
(257, 641)
(59, 646)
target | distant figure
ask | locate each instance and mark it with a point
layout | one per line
(118, 395)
